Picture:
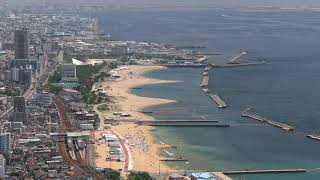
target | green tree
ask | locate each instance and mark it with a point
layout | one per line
(112, 175)
(55, 89)
(55, 78)
(139, 176)
(67, 57)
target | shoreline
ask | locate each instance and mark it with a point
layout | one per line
(144, 149)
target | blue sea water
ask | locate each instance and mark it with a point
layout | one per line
(286, 89)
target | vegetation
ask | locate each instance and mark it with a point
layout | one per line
(139, 176)
(16, 174)
(86, 72)
(55, 89)
(101, 77)
(85, 76)
(51, 56)
(67, 57)
(96, 121)
(91, 41)
(103, 107)
(10, 92)
(111, 174)
(55, 78)
(88, 96)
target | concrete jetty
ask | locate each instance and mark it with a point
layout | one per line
(314, 137)
(220, 103)
(285, 127)
(205, 81)
(205, 54)
(271, 171)
(205, 77)
(236, 59)
(202, 59)
(184, 65)
(174, 160)
(191, 125)
(138, 121)
(176, 121)
(204, 85)
(239, 64)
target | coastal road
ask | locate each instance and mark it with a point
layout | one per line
(128, 164)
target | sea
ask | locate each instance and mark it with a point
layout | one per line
(285, 89)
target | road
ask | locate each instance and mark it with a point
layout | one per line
(100, 115)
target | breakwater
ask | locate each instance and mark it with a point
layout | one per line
(204, 85)
(248, 114)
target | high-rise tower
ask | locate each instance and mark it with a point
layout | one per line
(3, 4)
(21, 45)
(5, 142)
(19, 104)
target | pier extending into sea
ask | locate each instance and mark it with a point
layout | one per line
(236, 59)
(263, 171)
(204, 85)
(313, 136)
(248, 114)
(175, 121)
(191, 125)
(239, 64)
(220, 103)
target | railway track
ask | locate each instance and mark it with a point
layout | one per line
(79, 163)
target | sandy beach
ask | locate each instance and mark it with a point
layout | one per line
(144, 151)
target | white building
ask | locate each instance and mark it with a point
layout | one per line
(86, 126)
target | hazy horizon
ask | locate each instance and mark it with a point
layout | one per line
(182, 3)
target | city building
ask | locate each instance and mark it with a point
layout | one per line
(21, 43)
(5, 142)
(2, 166)
(19, 114)
(7, 75)
(3, 4)
(15, 74)
(18, 63)
(26, 77)
(17, 119)
(19, 104)
(3, 103)
(86, 126)
(69, 73)
(119, 50)
(44, 98)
